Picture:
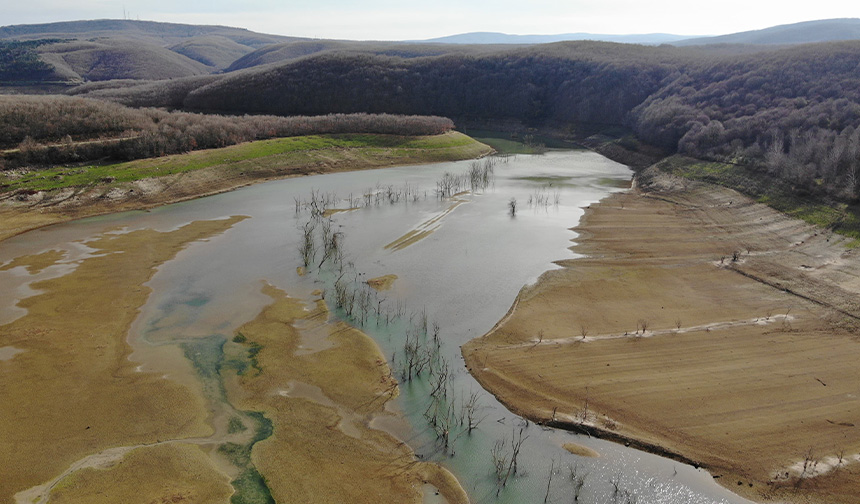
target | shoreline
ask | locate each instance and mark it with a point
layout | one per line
(645, 252)
(18, 216)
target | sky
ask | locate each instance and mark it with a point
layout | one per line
(409, 20)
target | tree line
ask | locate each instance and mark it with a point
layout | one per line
(57, 129)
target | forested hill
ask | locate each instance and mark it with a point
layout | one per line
(793, 111)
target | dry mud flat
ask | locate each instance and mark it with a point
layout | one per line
(71, 392)
(701, 325)
(81, 422)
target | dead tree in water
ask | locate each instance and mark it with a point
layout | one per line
(470, 410)
(308, 248)
(504, 464)
(578, 481)
(549, 480)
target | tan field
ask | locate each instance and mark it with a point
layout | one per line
(161, 474)
(658, 338)
(72, 393)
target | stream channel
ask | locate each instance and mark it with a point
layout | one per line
(464, 274)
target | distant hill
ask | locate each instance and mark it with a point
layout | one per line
(825, 30)
(288, 51)
(504, 38)
(109, 49)
(150, 31)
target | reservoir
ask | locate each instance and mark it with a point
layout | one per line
(459, 262)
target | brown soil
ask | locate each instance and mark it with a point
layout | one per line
(382, 283)
(163, 474)
(72, 392)
(321, 405)
(582, 451)
(658, 338)
(82, 424)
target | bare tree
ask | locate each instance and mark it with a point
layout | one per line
(549, 480)
(308, 248)
(470, 410)
(578, 481)
(504, 461)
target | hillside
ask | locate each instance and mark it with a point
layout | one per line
(52, 130)
(19, 62)
(148, 31)
(825, 30)
(214, 51)
(80, 51)
(81, 60)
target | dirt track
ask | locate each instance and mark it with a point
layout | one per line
(658, 337)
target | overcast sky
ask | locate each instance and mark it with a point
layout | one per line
(407, 20)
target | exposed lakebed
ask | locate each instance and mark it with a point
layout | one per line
(462, 265)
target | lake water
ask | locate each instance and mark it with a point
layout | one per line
(464, 274)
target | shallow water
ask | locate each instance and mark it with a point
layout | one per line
(465, 275)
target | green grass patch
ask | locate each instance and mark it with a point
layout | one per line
(505, 143)
(614, 182)
(837, 216)
(251, 488)
(411, 149)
